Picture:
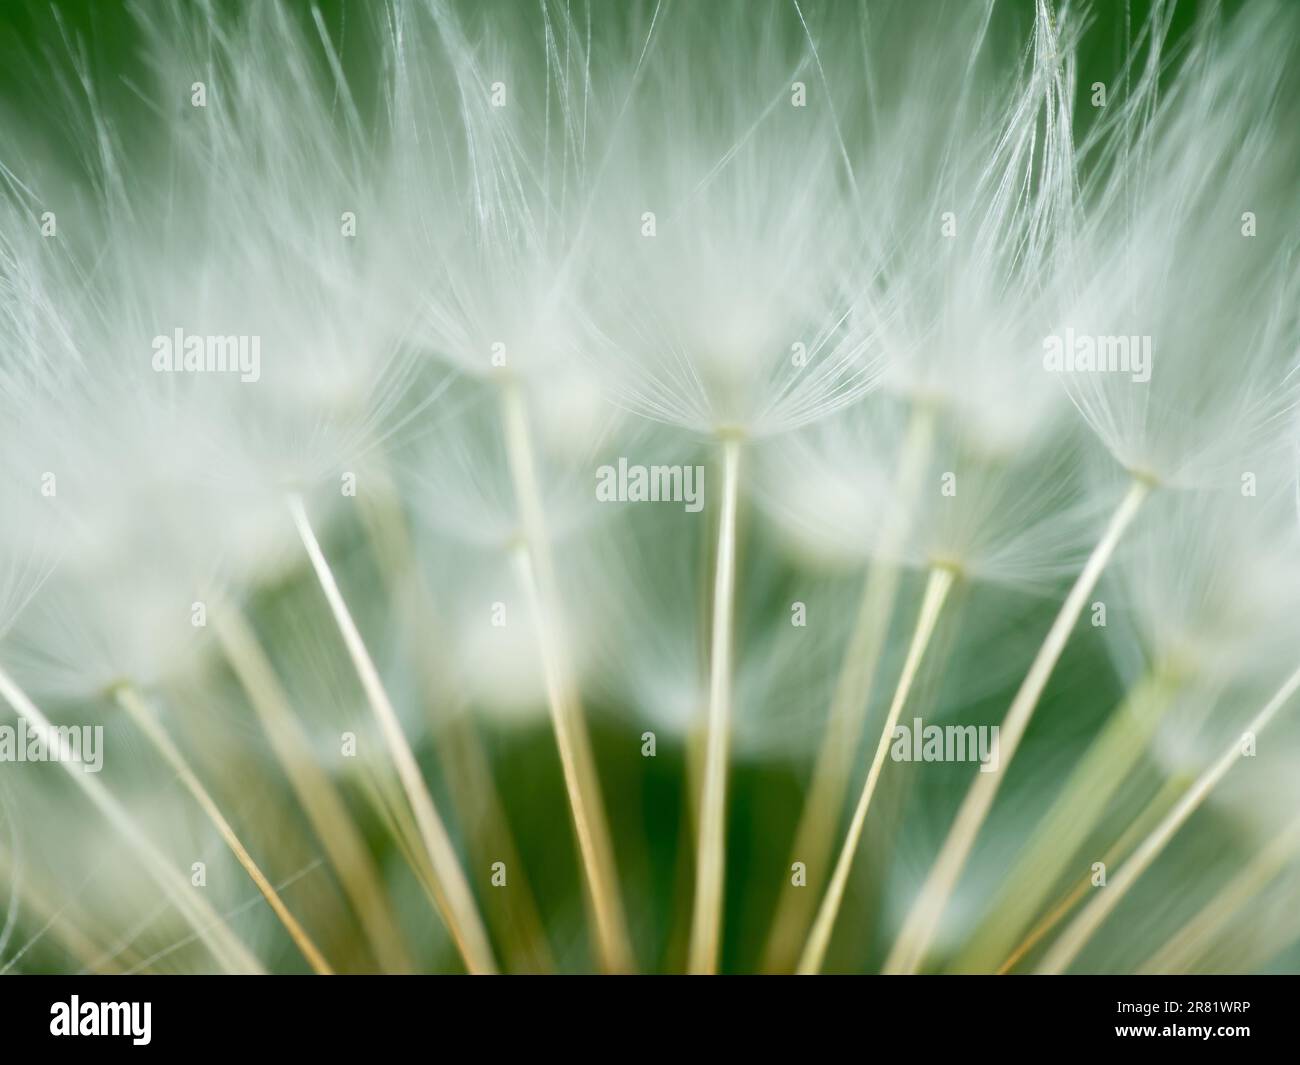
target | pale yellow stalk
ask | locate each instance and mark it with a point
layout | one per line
(211, 929)
(1076, 936)
(582, 783)
(832, 770)
(130, 701)
(921, 923)
(320, 799)
(455, 899)
(711, 846)
(936, 593)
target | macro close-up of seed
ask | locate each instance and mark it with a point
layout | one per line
(649, 487)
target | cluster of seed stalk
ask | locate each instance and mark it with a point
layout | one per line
(804, 922)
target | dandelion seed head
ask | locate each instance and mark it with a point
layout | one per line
(1165, 255)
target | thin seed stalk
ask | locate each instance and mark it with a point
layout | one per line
(1076, 936)
(1141, 825)
(211, 929)
(452, 892)
(1192, 940)
(321, 802)
(461, 755)
(129, 700)
(1071, 817)
(581, 781)
(54, 916)
(386, 798)
(922, 921)
(677, 947)
(711, 844)
(821, 814)
(936, 594)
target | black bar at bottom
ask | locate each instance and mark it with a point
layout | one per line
(453, 1015)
